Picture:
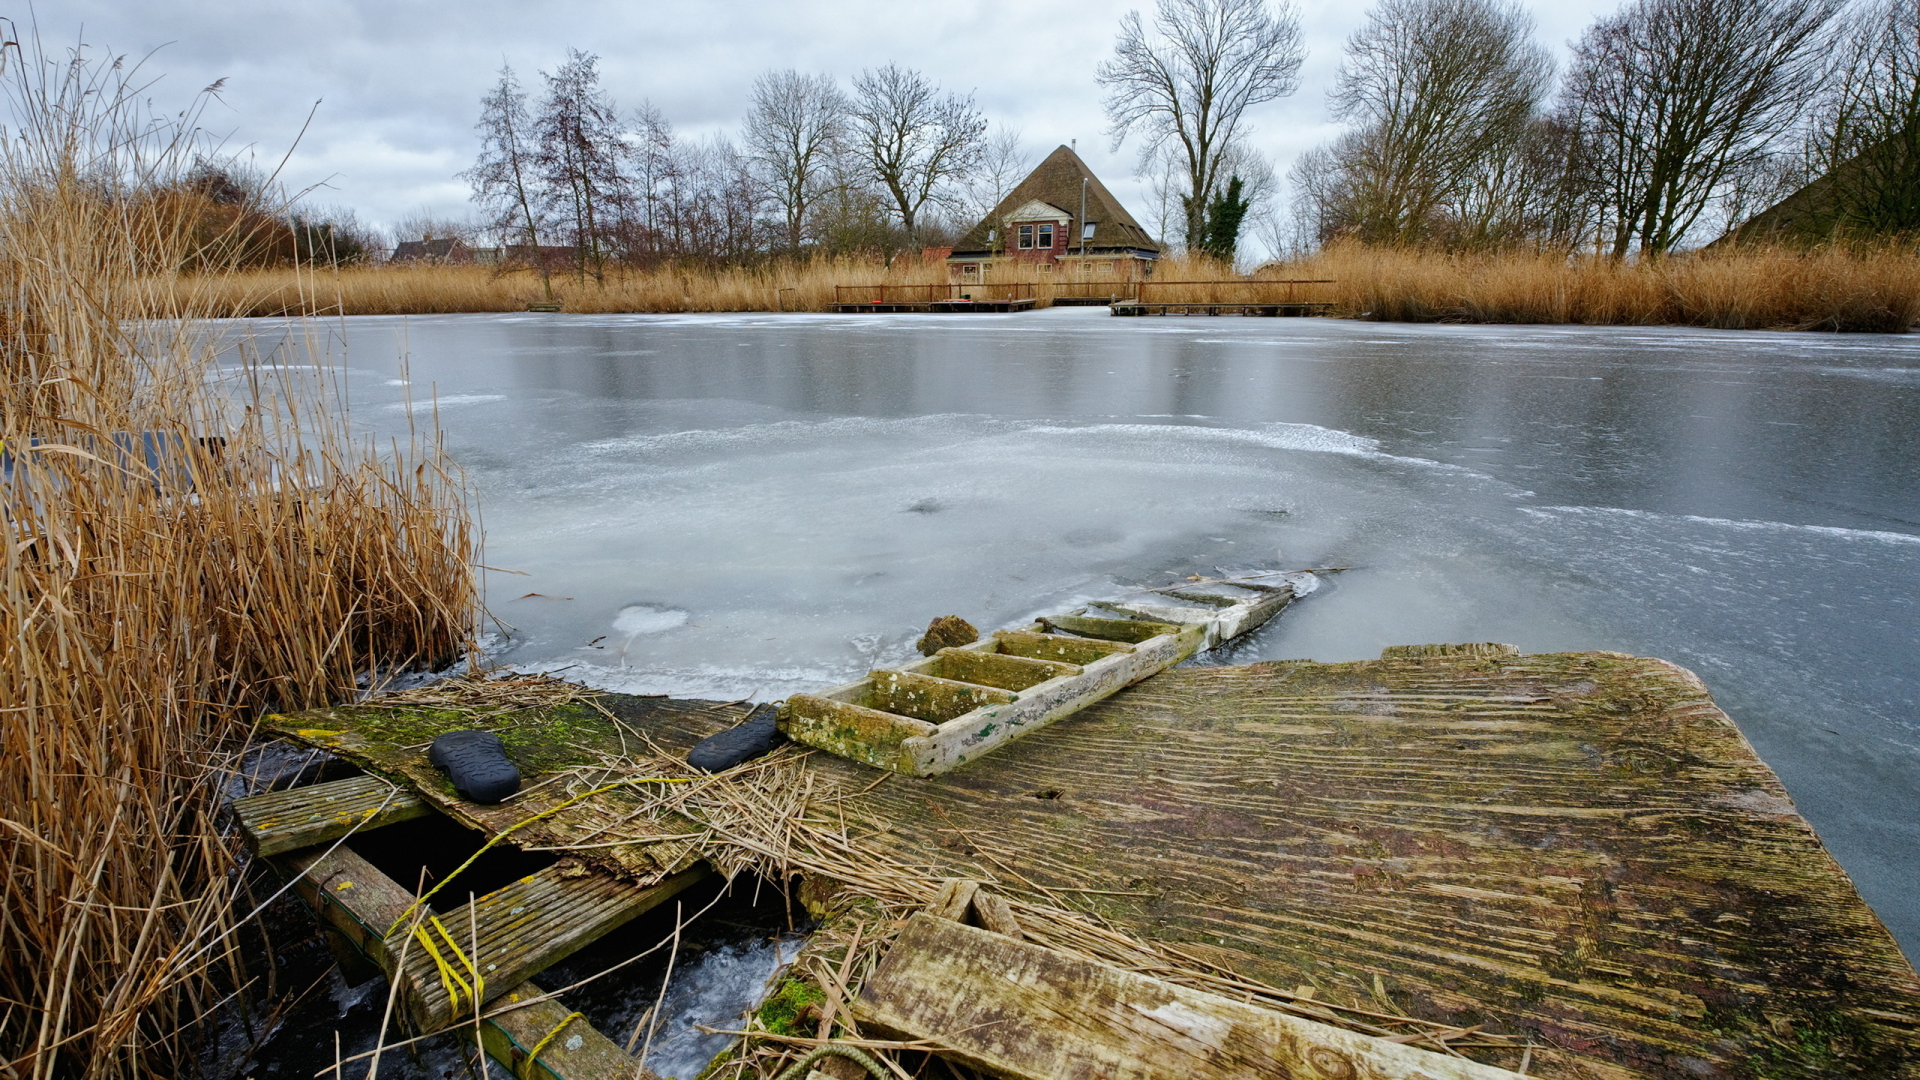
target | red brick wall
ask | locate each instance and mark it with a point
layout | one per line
(1037, 254)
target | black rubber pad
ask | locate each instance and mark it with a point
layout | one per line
(744, 741)
(477, 764)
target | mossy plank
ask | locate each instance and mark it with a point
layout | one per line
(996, 669)
(855, 732)
(1576, 849)
(1016, 1010)
(1131, 631)
(925, 697)
(1039, 646)
(281, 821)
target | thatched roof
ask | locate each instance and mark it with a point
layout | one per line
(1056, 182)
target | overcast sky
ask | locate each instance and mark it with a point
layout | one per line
(398, 82)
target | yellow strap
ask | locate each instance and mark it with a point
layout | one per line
(476, 991)
(503, 834)
(526, 1067)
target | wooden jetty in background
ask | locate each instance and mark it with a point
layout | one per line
(933, 299)
(1569, 865)
(1280, 298)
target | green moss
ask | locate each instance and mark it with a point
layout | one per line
(781, 1012)
(537, 740)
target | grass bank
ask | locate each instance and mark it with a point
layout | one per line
(183, 549)
(1854, 290)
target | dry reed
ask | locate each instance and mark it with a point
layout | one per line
(1855, 289)
(184, 545)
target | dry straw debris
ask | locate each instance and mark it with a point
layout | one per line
(185, 543)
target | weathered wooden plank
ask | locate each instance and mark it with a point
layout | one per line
(995, 669)
(281, 821)
(855, 732)
(1132, 631)
(358, 902)
(1070, 650)
(576, 1051)
(514, 933)
(1024, 1012)
(924, 697)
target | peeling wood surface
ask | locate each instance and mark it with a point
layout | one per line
(1577, 849)
(281, 821)
(1020, 1011)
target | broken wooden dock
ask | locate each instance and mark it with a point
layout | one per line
(1568, 861)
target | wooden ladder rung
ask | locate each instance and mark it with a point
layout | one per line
(514, 933)
(282, 821)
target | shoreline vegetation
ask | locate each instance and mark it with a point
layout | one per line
(186, 547)
(1836, 288)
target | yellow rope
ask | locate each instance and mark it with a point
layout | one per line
(504, 833)
(526, 1067)
(476, 990)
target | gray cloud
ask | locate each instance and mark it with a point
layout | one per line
(398, 81)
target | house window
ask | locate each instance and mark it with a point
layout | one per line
(1106, 268)
(1046, 237)
(1046, 268)
(970, 272)
(1026, 236)
(1086, 230)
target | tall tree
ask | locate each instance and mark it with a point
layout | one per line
(581, 152)
(1189, 84)
(791, 130)
(913, 141)
(505, 176)
(1441, 92)
(1677, 98)
(1865, 143)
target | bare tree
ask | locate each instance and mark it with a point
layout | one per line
(790, 132)
(1003, 164)
(1441, 92)
(914, 142)
(1677, 97)
(1189, 85)
(505, 176)
(1864, 150)
(581, 153)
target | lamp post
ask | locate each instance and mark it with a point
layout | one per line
(1083, 228)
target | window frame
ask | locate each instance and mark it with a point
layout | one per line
(1026, 237)
(1044, 231)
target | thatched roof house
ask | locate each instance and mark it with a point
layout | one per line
(1061, 216)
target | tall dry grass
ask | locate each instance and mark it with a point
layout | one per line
(1856, 289)
(1850, 289)
(151, 603)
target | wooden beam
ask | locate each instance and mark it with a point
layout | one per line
(1020, 1011)
(282, 821)
(514, 933)
(358, 902)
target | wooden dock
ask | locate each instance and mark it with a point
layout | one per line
(1295, 309)
(933, 299)
(1572, 862)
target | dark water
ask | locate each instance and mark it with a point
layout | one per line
(750, 505)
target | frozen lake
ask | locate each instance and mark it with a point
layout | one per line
(746, 506)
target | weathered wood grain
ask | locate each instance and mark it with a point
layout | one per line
(281, 821)
(514, 933)
(1022, 1012)
(1577, 849)
(358, 902)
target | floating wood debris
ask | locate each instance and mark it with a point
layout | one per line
(936, 714)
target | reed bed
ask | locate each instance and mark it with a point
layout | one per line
(1873, 289)
(1870, 289)
(184, 546)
